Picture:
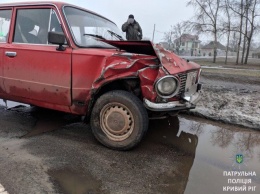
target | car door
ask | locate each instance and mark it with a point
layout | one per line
(33, 69)
(5, 18)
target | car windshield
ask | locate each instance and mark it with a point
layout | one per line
(89, 29)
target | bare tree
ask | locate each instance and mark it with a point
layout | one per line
(248, 11)
(227, 26)
(245, 30)
(241, 13)
(206, 18)
(253, 7)
(238, 9)
(168, 38)
(175, 33)
(233, 42)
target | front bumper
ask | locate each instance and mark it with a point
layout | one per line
(189, 103)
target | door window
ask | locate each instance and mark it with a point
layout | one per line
(32, 25)
(5, 16)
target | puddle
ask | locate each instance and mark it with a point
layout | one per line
(72, 182)
(167, 132)
(216, 151)
(207, 149)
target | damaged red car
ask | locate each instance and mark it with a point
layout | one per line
(63, 57)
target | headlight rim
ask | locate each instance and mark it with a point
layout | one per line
(171, 95)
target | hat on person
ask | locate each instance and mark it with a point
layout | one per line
(131, 16)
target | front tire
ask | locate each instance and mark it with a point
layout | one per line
(119, 120)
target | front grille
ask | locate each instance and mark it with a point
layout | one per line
(183, 78)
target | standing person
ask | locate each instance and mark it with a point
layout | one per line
(132, 28)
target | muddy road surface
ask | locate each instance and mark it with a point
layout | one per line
(230, 100)
(44, 151)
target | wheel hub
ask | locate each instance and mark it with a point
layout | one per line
(116, 121)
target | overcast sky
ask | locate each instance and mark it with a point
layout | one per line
(162, 13)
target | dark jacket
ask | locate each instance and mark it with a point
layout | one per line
(133, 31)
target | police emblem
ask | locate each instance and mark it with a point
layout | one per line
(239, 158)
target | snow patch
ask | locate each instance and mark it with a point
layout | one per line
(234, 106)
(2, 190)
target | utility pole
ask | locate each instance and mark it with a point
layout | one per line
(153, 31)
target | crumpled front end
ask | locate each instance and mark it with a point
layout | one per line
(179, 88)
(167, 82)
(186, 97)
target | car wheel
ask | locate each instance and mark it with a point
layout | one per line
(119, 120)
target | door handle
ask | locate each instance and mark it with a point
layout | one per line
(10, 54)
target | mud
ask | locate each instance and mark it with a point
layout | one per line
(230, 102)
(182, 154)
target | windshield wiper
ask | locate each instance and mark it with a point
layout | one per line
(115, 34)
(95, 35)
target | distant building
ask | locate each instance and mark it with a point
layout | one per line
(256, 53)
(208, 49)
(167, 46)
(188, 44)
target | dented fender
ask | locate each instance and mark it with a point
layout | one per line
(146, 70)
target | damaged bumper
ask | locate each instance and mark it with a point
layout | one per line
(190, 103)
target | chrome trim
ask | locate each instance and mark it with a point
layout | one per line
(194, 99)
(167, 105)
(175, 105)
(10, 54)
(32, 44)
(176, 90)
(183, 79)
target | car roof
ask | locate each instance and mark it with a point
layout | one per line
(58, 4)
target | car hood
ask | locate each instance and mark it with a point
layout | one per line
(172, 62)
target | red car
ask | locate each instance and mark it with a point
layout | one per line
(63, 57)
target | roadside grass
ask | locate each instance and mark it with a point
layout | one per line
(236, 70)
(253, 63)
(232, 72)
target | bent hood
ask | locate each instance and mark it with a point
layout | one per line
(138, 47)
(172, 62)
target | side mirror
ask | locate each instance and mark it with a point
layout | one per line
(57, 38)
